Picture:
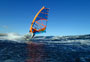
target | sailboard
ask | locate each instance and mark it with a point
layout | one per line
(39, 22)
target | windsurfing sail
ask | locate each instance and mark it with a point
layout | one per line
(39, 22)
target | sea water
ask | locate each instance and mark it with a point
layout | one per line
(46, 50)
(41, 52)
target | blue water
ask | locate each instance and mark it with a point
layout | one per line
(11, 51)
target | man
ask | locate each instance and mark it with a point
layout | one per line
(29, 36)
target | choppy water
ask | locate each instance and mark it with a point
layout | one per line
(44, 52)
(45, 49)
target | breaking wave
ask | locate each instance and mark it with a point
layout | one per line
(68, 40)
(12, 36)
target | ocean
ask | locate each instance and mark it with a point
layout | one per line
(46, 49)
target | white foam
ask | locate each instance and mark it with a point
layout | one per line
(12, 36)
(18, 38)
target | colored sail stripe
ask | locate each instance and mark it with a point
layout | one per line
(36, 25)
(42, 29)
(42, 18)
(44, 13)
(46, 8)
(34, 30)
(40, 24)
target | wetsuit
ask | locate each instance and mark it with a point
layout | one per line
(33, 35)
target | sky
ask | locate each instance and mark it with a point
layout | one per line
(66, 17)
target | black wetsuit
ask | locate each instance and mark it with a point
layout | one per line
(33, 35)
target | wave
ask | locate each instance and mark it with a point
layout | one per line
(12, 36)
(81, 39)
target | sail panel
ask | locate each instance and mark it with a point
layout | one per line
(40, 21)
(42, 15)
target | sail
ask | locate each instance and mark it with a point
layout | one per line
(39, 22)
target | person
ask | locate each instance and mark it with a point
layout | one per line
(29, 36)
(33, 35)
